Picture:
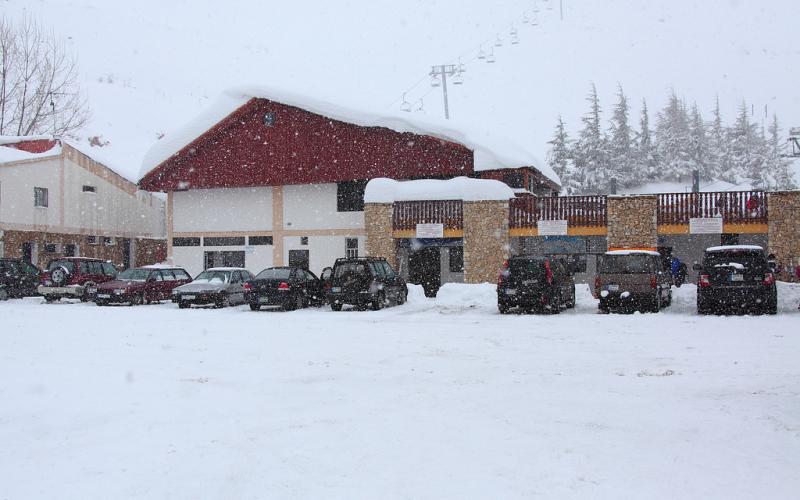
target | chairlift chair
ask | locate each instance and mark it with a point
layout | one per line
(481, 53)
(435, 80)
(458, 79)
(490, 58)
(405, 105)
(499, 41)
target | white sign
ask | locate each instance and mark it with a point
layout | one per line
(430, 230)
(552, 227)
(706, 225)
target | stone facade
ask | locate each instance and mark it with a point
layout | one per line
(144, 251)
(486, 240)
(378, 222)
(632, 221)
(784, 230)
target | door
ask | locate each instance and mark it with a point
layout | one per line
(299, 258)
(425, 268)
(28, 251)
(126, 253)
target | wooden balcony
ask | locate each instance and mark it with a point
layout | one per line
(407, 214)
(735, 207)
(578, 211)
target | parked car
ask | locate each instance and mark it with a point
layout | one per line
(74, 277)
(140, 285)
(18, 278)
(288, 288)
(632, 279)
(364, 281)
(220, 286)
(535, 283)
(736, 278)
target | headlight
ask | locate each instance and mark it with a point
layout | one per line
(119, 291)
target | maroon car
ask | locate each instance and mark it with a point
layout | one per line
(74, 277)
(141, 285)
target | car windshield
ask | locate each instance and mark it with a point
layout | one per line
(281, 273)
(66, 264)
(740, 260)
(213, 277)
(349, 268)
(134, 275)
(625, 264)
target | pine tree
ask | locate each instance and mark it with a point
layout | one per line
(559, 158)
(698, 146)
(620, 152)
(673, 139)
(590, 150)
(748, 150)
(777, 164)
(646, 164)
(717, 158)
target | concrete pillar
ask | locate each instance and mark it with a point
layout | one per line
(378, 222)
(784, 229)
(632, 221)
(486, 240)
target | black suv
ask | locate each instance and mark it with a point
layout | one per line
(18, 278)
(736, 278)
(362, 282)
(535, 283)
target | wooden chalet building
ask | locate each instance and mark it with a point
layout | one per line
(265, 181)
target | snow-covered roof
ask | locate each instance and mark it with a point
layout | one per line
(489, 152)
(161, 266)
(13, 139)
(632, 252)
(383, 190)
(725, 248)
(9, 154)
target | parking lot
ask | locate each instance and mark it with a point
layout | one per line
(438, 398)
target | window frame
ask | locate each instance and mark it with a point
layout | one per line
(41, 197)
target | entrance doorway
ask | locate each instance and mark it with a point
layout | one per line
(424, 268)
(29, 252)
(299, 258)
(223, 259)
(126, 253)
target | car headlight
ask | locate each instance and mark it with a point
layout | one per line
(119, 291)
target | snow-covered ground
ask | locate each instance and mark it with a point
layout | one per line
(440, 398)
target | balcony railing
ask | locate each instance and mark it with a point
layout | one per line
(407, 214)
(735, 207)
(584, 211)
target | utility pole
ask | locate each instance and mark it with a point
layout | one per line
(443, 71)
(561, 9)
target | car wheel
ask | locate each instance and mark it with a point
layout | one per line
(503, 307)
(222, 301)
(378, 301)
(655, 305)
(3, 294)
(571, 301)
(183, 305)
(137, 300)
(555, 303)
(255, 307)
(336, 306)
(702, 308)
(51, 298)
(402, 297)
(669, 298)
(771, 307)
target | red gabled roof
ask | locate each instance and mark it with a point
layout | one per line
(301, 147)
(33, 146)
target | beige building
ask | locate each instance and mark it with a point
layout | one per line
(56, 201)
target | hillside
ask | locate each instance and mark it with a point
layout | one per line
(151, 66)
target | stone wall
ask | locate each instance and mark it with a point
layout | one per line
(784, 230)
(486, 240)
(378, 222)
(632, 221)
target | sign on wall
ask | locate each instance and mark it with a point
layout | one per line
(430, 230)
(552, 227)
(705, 225)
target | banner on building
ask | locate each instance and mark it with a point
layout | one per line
(705, 225)
(552, 227)
(430, 230)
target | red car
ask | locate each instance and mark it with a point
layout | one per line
(74, 277)
(142, 285)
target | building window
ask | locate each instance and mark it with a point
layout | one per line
(224, 241)
(40, 197)
(259, 240)
(514, 180)
(304, 240)
(351, 248)
(88, 189)
(108, 241)
(456, 259)
(50, 247)
(92, 240)
(223, 259)
(350, 196)
(186, 242)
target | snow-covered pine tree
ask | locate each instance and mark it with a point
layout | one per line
(777, 164)
(645, 167)
(559, 158)
(748, 150)
(590, 150)
(620, 151)
(698, 146)
(673, 139)
(718, 151)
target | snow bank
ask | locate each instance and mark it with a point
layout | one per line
(383, 190)
(489, 152)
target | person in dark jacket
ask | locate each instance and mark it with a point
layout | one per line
(678, 269)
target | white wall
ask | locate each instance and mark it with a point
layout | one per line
(16, 192)
(323, 250)
(313, 206)
(192, 258)
(228, 209)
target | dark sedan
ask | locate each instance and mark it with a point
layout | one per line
(219, 286)
(287, 288)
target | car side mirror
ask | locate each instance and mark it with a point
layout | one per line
(696, 266)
